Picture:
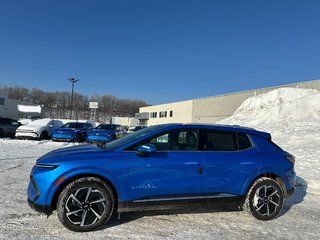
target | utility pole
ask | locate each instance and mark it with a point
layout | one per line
(73, 81)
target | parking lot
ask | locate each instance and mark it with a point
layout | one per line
(299, 219)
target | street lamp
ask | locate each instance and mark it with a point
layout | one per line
(72, 80)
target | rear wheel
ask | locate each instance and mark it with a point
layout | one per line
(264, 199)
(85, 204)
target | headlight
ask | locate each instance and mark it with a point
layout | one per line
(46, 166)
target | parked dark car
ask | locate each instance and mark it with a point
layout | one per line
(105, 133)
(163, 166)
(8, 127)
(72, 132)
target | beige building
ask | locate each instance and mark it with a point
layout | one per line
(208, 109)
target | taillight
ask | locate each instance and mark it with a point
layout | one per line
(290, 158)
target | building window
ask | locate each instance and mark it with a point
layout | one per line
(163, 114)
(1, 101)
(171, 113)
(153, 115)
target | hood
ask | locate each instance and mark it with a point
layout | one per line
(29, 127)
(81, 152)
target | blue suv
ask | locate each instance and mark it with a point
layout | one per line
(105, 133)
(164, 166)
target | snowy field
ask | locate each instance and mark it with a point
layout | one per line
(291, 115)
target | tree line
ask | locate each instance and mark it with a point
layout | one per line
(58, 104)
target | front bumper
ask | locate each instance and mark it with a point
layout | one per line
(63, 137)
(97, 138)
(27, 135)
(34, 193)
(40, 208)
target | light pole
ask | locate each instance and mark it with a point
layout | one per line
(72, 80)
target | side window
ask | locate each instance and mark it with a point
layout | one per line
(244, 142)
(176, 140)
(219, 141)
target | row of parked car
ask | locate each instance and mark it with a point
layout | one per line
(58, 131)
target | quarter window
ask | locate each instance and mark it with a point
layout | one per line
(244, 142)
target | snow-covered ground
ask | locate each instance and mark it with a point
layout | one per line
(291, 115)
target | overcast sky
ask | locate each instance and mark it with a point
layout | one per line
(160, 51)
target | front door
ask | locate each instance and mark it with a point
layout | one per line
(173, 171)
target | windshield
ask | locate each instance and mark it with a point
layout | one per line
(133, 137)
(73, 125)
(107, 127)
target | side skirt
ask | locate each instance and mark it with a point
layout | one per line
(165, 203)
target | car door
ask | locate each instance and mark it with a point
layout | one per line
(230, 160)
(172, 171)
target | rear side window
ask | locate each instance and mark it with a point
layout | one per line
(220, 141)
(244, 142)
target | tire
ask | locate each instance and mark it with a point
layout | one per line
(1, 133)
(85, 204)
(44, 135)
(265, 199)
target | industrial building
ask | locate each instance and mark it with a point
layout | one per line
(208, 109)
(16, 109)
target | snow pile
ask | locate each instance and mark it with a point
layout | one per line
(292, 116)
(284, 104)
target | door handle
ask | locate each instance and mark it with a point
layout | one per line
(247, 163)
(192, 163)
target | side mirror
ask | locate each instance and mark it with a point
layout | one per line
(146, 149)
(50, 126)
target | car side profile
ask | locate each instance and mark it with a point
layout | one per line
(105, 133)
(72, 132)
(163, 167)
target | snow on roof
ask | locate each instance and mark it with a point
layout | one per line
(29, 109)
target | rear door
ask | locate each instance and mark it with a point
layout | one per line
(230, 160)
(174, 170)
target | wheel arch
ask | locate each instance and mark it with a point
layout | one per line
(268, 174)
(57, 192)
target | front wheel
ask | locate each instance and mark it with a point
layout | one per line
(264, 199)
(85, 204)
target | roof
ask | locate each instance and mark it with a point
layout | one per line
(219, 127)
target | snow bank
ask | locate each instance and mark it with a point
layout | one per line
(292, 116)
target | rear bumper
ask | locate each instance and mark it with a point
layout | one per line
(40, 208)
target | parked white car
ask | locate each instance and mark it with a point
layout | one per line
(38, 129)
